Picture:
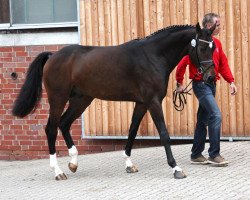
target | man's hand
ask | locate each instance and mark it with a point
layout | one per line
(179, 88)
(233, 88)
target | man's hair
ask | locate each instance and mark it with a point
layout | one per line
(209, 18)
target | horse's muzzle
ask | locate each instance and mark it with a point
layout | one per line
(210, 79)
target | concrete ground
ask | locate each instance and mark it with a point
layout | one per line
(103, 176)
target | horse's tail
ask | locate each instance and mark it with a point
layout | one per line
(31, 90)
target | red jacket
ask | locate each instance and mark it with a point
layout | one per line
(220, 61)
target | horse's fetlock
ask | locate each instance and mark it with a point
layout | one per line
(125, 155)
(73, 151)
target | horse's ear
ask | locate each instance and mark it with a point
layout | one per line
(213, 27)
(198, 28)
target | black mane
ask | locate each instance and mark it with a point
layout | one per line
(170, 29)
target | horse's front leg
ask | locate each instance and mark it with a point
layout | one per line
(156, 112)
(139, 112)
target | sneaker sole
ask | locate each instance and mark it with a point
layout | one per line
(199, 163)
(223, 164)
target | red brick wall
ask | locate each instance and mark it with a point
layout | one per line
(22, 139)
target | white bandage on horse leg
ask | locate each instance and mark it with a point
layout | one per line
(73, 153)
(176, 168)
(128, 160)
(54, 164)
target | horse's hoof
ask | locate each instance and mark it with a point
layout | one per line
(132, 169)
(60, 177)
(179, 174)
(72, 167)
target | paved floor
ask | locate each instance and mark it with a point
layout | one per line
(103, 176)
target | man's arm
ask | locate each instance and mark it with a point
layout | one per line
(226, 73)
(180, 71)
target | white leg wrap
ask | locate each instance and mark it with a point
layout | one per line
(54, 164)
(73, 153)
(128, 160)
(176, 168)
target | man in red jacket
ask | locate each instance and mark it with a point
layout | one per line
(208, 111)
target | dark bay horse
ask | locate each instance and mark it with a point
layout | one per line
(135, 71)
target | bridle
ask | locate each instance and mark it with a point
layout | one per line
(201, 71)
(208, 63)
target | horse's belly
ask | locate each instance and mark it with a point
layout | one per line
(112, 92)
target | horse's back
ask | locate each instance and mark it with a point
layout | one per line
(108, 73)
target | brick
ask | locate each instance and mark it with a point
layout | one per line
(6, 142)
(51, 48)
(19, 59)
(17, 48)
(5, 152)
(9, 85)
(25, 147)
(34, 147)
(35, 48)
(21, 70)
(8, 54)
(62, 153)
(18, 152)
(9, 137)
(107, 148)
(16, 127)
(95, 148)
(6, 122)
(4, 157)
(21, 157)
(21, 54)
(2, 112)
(82, 148)
(5, 59)
(6, 49)
(103, 142)
(25, 142)
(42, 143)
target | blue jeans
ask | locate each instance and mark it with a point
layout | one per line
(208, 115)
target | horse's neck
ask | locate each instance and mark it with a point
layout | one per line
(173, 47)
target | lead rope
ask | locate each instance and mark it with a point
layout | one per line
(181, 97)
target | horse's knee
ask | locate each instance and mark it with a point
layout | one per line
(165, 139)
(64, 126)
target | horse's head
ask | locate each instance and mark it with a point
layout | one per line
(201, 52)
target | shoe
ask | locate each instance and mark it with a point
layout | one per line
(218, 161)
(201, 160)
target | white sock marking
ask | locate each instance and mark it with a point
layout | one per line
(73, 153)
(54, 164)
(176, 168)
(128, 160)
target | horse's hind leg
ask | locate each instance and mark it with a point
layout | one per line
(138, 114)
(57, 104)
(77, 105)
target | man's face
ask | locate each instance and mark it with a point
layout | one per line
(217, 29)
